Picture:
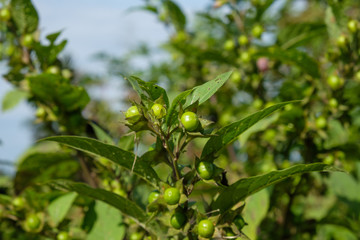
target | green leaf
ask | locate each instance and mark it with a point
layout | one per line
(12, 98)
(53, 89)
(59, 207)
(148, 89)
(229, 133)
(113, 153)
(24, 15)
(293, 56)
(331, 23)
(108, 224)
(176, 15)
(101, 134)
(180, 99)
(337, 135)
(126, 206)
(247, 186)
(203, 92)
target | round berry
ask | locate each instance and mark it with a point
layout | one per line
(229, 45)
(341, 41)
(352, 26)
(132, 114)
(236, 77)
(205, 170)
(243, 40)
(53, 70)
(172, 196)
(178, 220)
(257, 31)
(136, 236)
(329, 159)
(32, 222)
(153, 196)
(245, 57)
(333, 103)
(206, 228)
(239, 222)
(321, 122)
(190, 121)
(335, 82)
(18, 203)
(158, 110)
(66, 73)
(5, 14)
(62, 236)
(27, 40)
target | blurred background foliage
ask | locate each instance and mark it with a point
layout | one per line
(278, 50)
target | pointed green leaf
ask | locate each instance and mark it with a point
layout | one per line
(101, 134)
(229, 133)
(247, 186)
(180, 99)
(12, 98)
(176, 15)
(111, 152)
(59, 207)
(205, 91)
(24, 15)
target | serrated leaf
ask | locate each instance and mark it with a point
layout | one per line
(126, 206)
(229, 133)
(108, 224)
(245, 187)
(176, 15)
(292, 56)
(24, 15)
(59, 207)
(111, 152)
(203, 92)
(180, 99)
(101, 134)
(12, 98)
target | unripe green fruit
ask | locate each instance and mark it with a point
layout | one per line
(178, 220)
(229, 45)
(341, 41)
(206, 228)
(236, 77)
(257, 103)
(153, 196)
(5, 15)
(329, 159)
(321, 122)
(66, 73)
(53, 70)
(136, 236)
(32, 222)
(352, 26)
(257, 31)
(18, 203)
(158, 110)
(62, 236)
(132, 114)
(335, 82)
(27, 40)
(190, 121)
(205, 170)
(333, 103)
(239, 222)
(357, 76)
(243, 40)
(172, 196)
(245, 57)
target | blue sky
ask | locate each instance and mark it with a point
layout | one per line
(90, 27)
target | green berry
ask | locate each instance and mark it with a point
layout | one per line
(352, 26)
(236, 77)
(153, 196)
(18, 203)
(158, 110)
(132, 114)
(190, 121)
(335, 82)
(257, 31)
(178, 220)
(357, 76)
(341, 41)
(5, 15)
(245, 57)
(53, 70)
(329, 159)
(62, 236)
(32, 222)
(321, 122)
(229, 45)
(136, 236)
(205, 170)
(27, 40)
(206, 228)
(172, 196)
(243, 40)
(333, 103)
(239, 222)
